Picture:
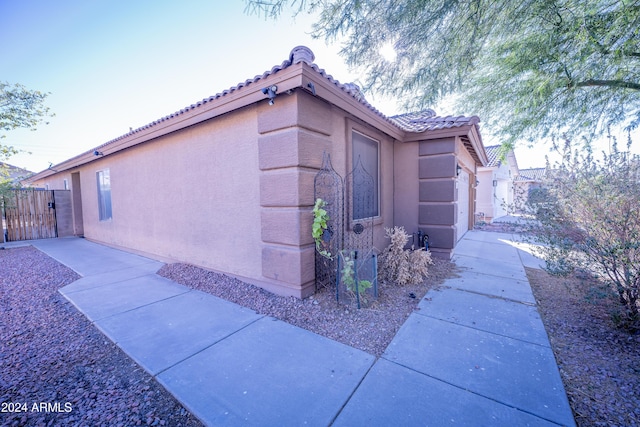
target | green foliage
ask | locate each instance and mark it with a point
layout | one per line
(320, 224)
(348, 278)
(589, 218)
(402, 266)
(19, 108)
(531, 67)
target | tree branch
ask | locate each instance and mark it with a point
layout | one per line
(608, 83)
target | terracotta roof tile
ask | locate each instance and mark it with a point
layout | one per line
(298, 54)
(411, 122)
(493, 154)
(533, 174)
(427, 120)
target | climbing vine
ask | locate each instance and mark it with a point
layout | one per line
(320, 227)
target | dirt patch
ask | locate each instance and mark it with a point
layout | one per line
(368, 329)
(599, 363)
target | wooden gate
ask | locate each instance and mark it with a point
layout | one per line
(30, 214)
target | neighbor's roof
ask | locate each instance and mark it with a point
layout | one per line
(13, 173)
(493, 154)
(533, 174)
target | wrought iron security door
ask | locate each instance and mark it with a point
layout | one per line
(345, 256)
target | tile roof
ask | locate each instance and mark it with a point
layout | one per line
(427, 120)
(298, 54)
(13, 173)
(533, 174)
(493, 154)
(413, 122)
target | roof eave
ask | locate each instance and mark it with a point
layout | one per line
(471, 131)
(322, 87)
(286, 79)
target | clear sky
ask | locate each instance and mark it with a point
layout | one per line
(111, 65)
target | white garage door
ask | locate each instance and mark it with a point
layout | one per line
(463, 204)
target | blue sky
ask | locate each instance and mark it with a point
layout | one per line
(112, 65)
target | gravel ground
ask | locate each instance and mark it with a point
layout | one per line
(50, 354)
(599, 363)
(368, 329)
(56, 369)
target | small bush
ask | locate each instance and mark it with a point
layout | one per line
(587, 217)
(402, 266)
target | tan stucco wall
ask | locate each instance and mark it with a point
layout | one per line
(407, 186)
(189, 196)
(235, 193)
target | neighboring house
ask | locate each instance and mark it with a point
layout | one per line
(228, 183)
(495, 184)
(13, 173)
(526, 181)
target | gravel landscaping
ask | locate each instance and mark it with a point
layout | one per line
(368, 329)
(56, 368)
(599, 363)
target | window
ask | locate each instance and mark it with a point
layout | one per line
(366, 200)
(104, 194)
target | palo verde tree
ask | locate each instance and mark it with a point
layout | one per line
(532, 67)
(587, 217)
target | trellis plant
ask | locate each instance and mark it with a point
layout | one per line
(348, 277)
(320, 224)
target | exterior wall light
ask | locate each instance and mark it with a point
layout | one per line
(270, 92)
(458, 170)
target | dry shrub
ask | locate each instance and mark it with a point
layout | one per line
(402, 266)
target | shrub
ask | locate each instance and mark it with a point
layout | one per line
(399, 265)
(589, 219)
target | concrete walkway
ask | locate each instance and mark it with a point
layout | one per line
(475, 353)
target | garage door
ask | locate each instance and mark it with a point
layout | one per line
(463, 204)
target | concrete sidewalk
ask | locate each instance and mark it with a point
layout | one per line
(475, 353)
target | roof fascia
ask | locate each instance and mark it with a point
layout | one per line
(476, 142)
(470, 131)
(333, 94)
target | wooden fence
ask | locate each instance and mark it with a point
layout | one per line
(30, 214)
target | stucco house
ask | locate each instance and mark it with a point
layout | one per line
(495, 183)
(13, 174)
(526, 181)
(228, 183)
